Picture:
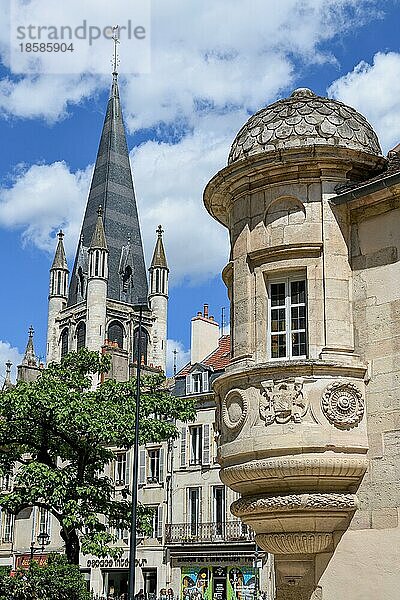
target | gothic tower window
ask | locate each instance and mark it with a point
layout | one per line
(64, 342)
(157, 281)
(80, 335)
(143, 345)
(96, 264)
(116, 333)
(59, 283)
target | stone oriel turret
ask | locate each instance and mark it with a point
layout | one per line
(158, 300)
(57, 298)
(293, 431)
(96, 302)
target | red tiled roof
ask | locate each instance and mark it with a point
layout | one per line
(218, 359)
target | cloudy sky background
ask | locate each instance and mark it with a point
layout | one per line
(213, 63)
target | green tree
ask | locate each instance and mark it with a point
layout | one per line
(59, 431)
(57, 580)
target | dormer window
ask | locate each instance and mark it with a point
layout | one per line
(197, 383)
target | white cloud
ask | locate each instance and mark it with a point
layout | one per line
(220, 52)
(374, 90)
(12, 354)
(182, 356)
(43, 198)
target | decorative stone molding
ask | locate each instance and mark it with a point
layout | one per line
(294, 502)
(343, 404)
(283, 401)
(277, 471)
(295, 543)
(234, 409)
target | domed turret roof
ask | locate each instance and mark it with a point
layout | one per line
(304, 119)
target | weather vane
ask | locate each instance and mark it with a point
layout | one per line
(115, 61)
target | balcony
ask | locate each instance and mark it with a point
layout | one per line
(203, 533)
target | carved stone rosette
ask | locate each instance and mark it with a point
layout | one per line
(343, 404)
(234, 410)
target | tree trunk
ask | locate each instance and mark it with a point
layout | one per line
(71, 540)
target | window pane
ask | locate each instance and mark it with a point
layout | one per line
(278, 320)
(299, 344)
(298, 317)
(278, 294)
(298, 292)
(278, 346)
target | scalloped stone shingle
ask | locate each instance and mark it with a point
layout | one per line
(304, 119)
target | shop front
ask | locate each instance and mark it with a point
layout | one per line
(218, 582)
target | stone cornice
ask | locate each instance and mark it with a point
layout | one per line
(284, 252)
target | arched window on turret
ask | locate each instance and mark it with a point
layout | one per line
(157, 280)
(58, 283)
(116, 333)
(96, 264)
(80, 335)
(64, 342)
(143, 345)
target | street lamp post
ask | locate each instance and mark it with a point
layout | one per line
(43, 539)
(133, 537)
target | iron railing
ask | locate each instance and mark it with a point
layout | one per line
(190, 533)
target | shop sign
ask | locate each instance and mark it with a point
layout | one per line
(23, 561)
(113, 563)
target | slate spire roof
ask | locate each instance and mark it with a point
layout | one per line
(112, 189)
(60, 261)
(159, 259)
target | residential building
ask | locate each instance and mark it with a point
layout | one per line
(210, 552)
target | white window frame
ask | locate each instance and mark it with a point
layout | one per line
(121, 464)
(203, 383)
(287, 281)
(196, 458)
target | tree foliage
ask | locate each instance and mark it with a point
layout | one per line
(60, 432)
(57, 580)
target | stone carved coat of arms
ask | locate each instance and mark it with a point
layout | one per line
(283, 401)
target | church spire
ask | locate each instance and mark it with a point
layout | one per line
(159, 259)
(112, 189)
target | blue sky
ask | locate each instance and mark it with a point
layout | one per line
(213, 64)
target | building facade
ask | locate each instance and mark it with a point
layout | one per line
(308, 409)
(211, 553)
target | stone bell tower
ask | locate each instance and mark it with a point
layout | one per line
(294, 439)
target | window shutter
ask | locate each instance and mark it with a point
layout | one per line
(206, 444)
(204, 383)
(183, 446)
(188, 384)
(142, 466)
(160, 521)
(128, 468)
(161, 466)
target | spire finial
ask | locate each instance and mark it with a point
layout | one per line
(159, 231)
(60, 235)
(31, 331)
(100, 211)
(115, 60)
(30, 358)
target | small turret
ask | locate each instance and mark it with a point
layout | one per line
(7, 381)
(57, 298)
(28, 370)
(97, 287)
(158, 299)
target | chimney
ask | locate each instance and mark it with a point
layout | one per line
(205, 336)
